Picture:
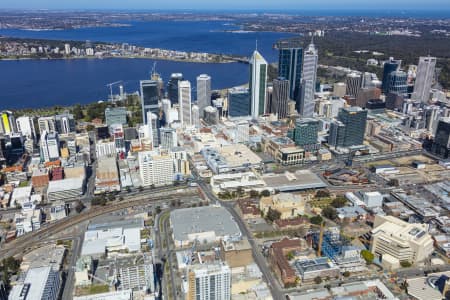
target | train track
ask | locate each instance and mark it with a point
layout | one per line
(20, 244)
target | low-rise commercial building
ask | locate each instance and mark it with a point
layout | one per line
(236, 253)
(289, 205)
(231, 158)
(278, 258)
(308, 269)
(107, 176)
(65, 189)
(401, 240)
(207, 223)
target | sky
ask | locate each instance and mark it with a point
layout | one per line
(228, 4)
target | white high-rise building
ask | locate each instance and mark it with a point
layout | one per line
(155, 169)
(105, 149)
(309, 74)
(184, 100)
(47, 124)
(39, 283)
(25, 125)
(166, 105)
(203, 92)
(424, 78)
(242, 132)
(195, 116)
(209, 281)
(258, 84)
(67, 49)
(168, 138)
(49, 146)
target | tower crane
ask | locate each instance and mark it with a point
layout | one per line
(110, 85)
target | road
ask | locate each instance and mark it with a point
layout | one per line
(272, 282)
(70, 281)
(20, 244)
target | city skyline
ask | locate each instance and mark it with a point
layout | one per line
(324, 5)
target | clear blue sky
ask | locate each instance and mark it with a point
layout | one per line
(228, 4)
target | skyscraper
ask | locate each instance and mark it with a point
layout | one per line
(49, 146)
(353, 82)
(168, 137)
(397, 83)
(424, 78)
(280, 97)
(172, 87)
(390, 66)
(290, 60)
(349, 129)
(149, 97)
(209, 282)
(258, 84)
(441, 143)
(203, 92)
(306, 133)
(238, 102)
(195, 116)
(65, 123)
(184, 100)
(47, 124)
(8, 123)
(25, 125)
(309, 74)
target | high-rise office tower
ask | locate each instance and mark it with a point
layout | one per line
(166, 106)
(172, 87)
(8, 123)
(238, 102)
(349, 129)
(441, 143)
(309, 74)
(195, 116)
(209, 282)
(432, 115)
(424, 78)
(397, 83)
(353, 83)
(280, 97)
(149, 97)
(47, 124)
(258, 84)
(306, 133)
(184, 100)
(65, 123)
(25, 125)
(49, 146)
(152, 128)
(390, 66)
(168, 137)
(290, 60)
(203, 92)
(115, 115)
(269, 98)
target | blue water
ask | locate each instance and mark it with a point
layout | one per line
(36, 83)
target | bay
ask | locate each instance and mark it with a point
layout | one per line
(36, 83)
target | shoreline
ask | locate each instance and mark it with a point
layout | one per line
(228, 61)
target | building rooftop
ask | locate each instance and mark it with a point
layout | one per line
(300, 180)
(36, 280)
(189, 221)
(65, 184)
(118, 295)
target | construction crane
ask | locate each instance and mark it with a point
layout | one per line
(319, 244)
(110, 85)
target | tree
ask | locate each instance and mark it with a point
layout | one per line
(322, 194)
(338, 202)
(158, 210)
(346, 274)
(265, 193)
(368, 256)
(290, 255)
(317, 220)
(111, 197)
(90, 127)
(77, 112)
(273, 215)
(79, 206)
(405, 264)
(141, 188)
(254, 194)
(318, 280)
(329, 212)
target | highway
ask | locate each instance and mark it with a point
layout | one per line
(22, 243)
